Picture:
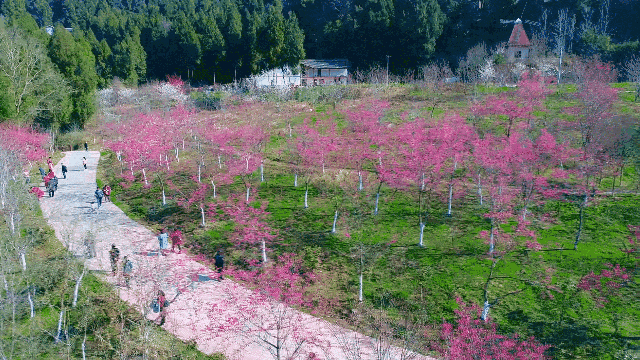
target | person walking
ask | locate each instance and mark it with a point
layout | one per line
(52, 186)
(176, 240)
(43, 173)
(114, 256)
(84, 162)
(219, 262)
(163, 240)
(50, 164)
(64, 170)
(99, 194)
(86, 146)
(127, 269)
(162, 305)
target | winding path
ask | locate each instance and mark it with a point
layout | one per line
(200, 311)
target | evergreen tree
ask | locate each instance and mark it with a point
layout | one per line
(293, 50)
(74, 59)
(129, 59)
(213, 46)
(271, 37)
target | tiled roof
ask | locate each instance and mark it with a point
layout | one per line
(326, 64)
(518, 36)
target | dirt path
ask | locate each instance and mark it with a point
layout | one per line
(196, 314)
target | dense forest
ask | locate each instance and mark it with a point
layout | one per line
(208, 41)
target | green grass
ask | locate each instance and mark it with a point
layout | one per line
(426, 280)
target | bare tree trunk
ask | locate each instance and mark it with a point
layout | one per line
(75, 291)
(306, 197)
(144, 173)
(214, 189)
(59, 326)
(202, 213)
(264, 252)
(581, 222)
(31, 307)
(335, 220)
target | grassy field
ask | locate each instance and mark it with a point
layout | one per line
(421, 283)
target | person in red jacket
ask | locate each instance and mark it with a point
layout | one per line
(176, 240)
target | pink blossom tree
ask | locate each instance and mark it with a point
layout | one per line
(474, 338)
(250, 223)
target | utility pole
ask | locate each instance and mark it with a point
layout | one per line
(388, 69)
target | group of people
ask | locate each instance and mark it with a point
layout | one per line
(127, 265)
(50, 179)
(104, 193)
(176, 241)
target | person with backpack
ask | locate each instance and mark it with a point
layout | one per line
(86, 146)
(127, 269)
(99, 194)
(114, 256)
(64, 170)
(50, 164)
(43, 173)
(52, 186)
(163, 240)
(219, 262)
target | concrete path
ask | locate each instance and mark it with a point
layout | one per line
(220, 316)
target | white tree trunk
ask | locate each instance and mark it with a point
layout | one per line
(455, 167)
(264, 252)
(360, 181)
(323, 167)
(306, 198)
(13, 223)
(144, 173)
(84, 354)
(375, 211)
(23, 261)
(450, 198)
(261, 172)
(219, 162)
(422, 226)
(295, 180)
(177, 154)
(480, 190)
(199, 172)
(360, 297)
(491, 240)
(485, 311)
(247, 159)
(166, 159)
(59, 326)
(164, 197)
(335, 220)
(33, 313)
(75, 291)
(248, 189)
(214, 189)
(202, 213)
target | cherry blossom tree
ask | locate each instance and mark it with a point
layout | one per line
(250, 225)
(314, 143)
(593, 115)
(474, 338)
